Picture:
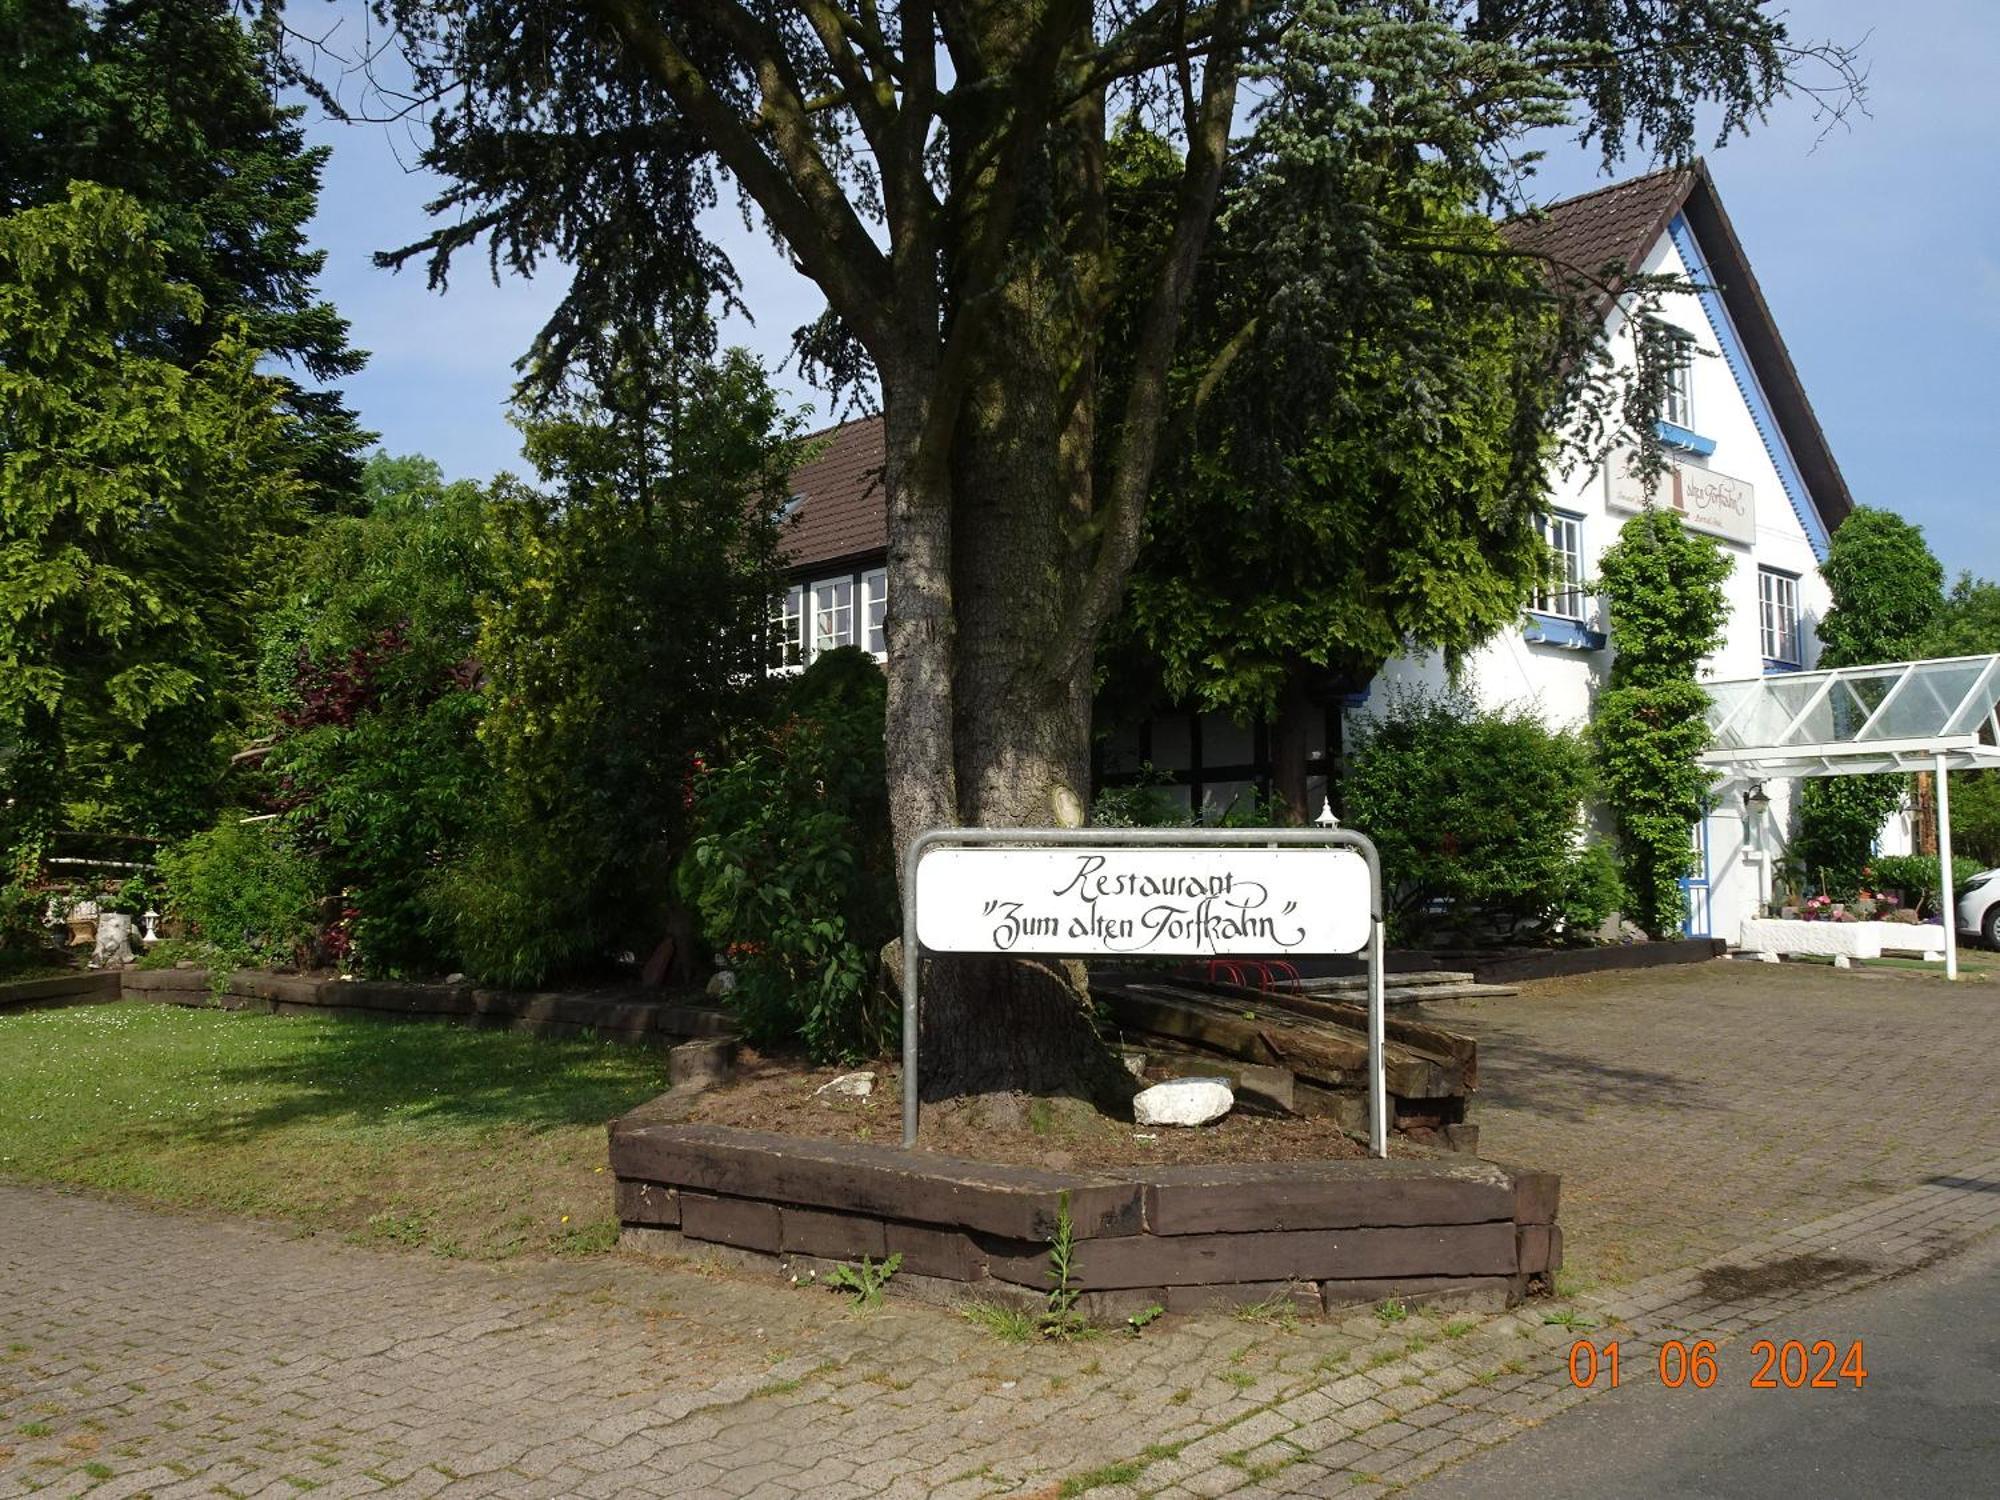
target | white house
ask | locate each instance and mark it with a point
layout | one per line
(1750, 467)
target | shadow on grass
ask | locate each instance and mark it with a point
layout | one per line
(429, 1074)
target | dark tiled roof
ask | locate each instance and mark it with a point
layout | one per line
(1607, 232)
(845, 514)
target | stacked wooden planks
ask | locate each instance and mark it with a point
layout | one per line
(1298, 1053)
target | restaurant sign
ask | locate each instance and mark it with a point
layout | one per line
(1107, 901)
(1707, 501)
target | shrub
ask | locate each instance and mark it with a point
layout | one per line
(1839, 819)
(626, 628)
(369, 671)
(1975, 815)
(1914, 877)
(244, 890)
(791, 871)
(1476, 813)
(1663, 586)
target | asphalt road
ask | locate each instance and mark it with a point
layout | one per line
(1926, 1420)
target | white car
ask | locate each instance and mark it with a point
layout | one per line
(1979, 907)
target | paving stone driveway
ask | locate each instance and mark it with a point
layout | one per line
(146, 1353)
(1695, 1108)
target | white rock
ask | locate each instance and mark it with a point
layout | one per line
(853, 1085)
(454, 979)
(1184, 1101)
(114, 941)
(720, 983)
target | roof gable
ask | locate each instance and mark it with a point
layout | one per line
(1600, 237)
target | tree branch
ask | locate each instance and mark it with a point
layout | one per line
(1138, 442)
(803, 199)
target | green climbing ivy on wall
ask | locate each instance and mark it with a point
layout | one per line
(1663, 587)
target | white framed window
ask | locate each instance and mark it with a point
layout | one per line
(788, 620)
(1564, 596)
(1778, 616)
(1677, 395)
(875, 613)
(832, 614)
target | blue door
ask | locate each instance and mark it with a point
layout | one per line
(1694, 888)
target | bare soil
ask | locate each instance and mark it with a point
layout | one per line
(1060, 1134)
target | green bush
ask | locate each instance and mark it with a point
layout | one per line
(1476, 813)
(791, 871)
(1663, 587)
(24, 934)
(1914, 877)
(244, 890)
(373, 689)
(1975, 816)
(625, 629)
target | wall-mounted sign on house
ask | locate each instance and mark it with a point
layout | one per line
(1707, 501)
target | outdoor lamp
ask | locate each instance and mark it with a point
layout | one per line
(1756, 801)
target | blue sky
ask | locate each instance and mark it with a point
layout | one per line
(1878, 248)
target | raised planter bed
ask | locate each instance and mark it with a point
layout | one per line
(59, 989)
(1774, 937)
(1327, 1233)
(619, 1016)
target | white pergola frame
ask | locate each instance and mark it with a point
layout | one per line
(1939, 715)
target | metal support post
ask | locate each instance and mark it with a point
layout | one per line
(1947, 897)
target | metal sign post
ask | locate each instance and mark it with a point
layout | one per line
(1145, 892)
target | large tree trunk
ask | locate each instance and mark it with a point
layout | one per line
(993, 443)
(1020, 465)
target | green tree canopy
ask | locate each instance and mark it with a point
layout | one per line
(940, 173)
(373, 700)
(1887, 590)
(1887, 597)
(174, 102)
(1968, 621)
(1361, 443)
(138, 499)
(626, 622)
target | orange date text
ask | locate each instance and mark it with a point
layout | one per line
(1789, 1364)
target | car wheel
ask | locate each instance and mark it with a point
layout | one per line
(1989, 926)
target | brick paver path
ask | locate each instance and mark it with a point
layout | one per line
(1698, 1115)
(1695, 1108)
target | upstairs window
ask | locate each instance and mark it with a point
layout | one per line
(1778, 616)
(1677, 397)
(1564, 596)
(875, 614)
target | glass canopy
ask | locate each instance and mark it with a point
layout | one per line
(1855, 721)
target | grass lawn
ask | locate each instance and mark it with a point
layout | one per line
(471, 1143)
